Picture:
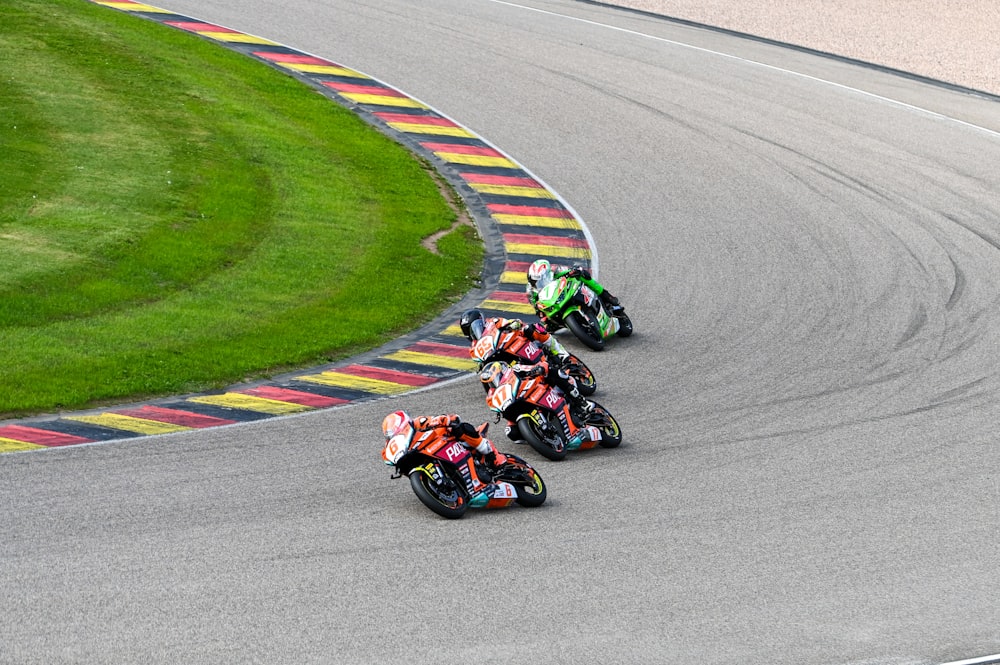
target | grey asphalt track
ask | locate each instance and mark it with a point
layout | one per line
(809, 251)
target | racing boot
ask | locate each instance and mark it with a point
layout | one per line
(495, 459)
(513, 433)
(611, 303)
(577, 402)
(580, 405)
(557, 352)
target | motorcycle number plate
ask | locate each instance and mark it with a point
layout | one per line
(502, 397)
(504, 491)
(548, 291)
(483, 348)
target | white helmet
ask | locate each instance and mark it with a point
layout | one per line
(395, 422)
(537, 270)
(398, 430)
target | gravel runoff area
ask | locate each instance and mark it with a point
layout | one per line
(957, 41)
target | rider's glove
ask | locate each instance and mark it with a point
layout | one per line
(512, 325)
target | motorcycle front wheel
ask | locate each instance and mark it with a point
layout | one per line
(446, 502)
(548, 440)
(584, 325)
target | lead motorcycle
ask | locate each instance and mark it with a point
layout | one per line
(449, 479)
(542, 413)
(568, 302)
(510, 346)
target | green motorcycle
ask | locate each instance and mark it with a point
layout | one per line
(567, 301)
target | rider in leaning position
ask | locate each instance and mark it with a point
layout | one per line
(475, 325)
(449, 426)
(541, 272)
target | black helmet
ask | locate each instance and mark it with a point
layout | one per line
(472, 324)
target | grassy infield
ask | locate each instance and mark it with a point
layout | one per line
(175, 217)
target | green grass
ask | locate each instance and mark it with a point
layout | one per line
(175, 217)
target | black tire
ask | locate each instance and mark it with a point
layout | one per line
(624, 325)
(586, 382)
(552, 446)
(532, 496)
(584, 325)
(446, 503)
(611, 433)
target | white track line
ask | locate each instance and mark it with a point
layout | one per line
(976, 661)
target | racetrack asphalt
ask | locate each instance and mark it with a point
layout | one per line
(808, 473)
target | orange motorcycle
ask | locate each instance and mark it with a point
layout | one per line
(544, 417)
(510, 346)
(449, 478)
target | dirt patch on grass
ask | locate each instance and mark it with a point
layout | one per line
(462, 217)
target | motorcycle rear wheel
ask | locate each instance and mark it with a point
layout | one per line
(586, 382)
(552, 446)
(624, 325)
(448, 503)
(532, 496)
(611, 433)
(584, 325)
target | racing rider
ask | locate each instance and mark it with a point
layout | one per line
(554, 376)
(541, 272)
(492, 375)
(474, 325)
(449, 426)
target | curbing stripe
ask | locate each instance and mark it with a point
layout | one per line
(419, 358)
(295, 396)
(508, 308)
(549, 251)
(546, 222)
(237, 400)
(361, 383)
(392, 375)
(12, 446)
(128, 6)
(513, 191)
(129, 424)
(175, 416)
(41, 437)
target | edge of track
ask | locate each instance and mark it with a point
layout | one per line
(518, 217)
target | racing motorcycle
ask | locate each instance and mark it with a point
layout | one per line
(449, 479)
(543, 415)
(567, 301)
(510, 346)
